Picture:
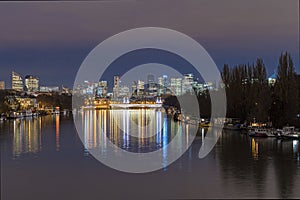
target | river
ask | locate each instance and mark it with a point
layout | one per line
(44, 158)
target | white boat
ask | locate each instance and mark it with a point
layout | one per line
(261, 132)
(288, 132)
(293, 136)
(15, 115)
(231, 126)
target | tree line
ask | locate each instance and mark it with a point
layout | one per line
(250, 97)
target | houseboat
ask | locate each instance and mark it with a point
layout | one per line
(288, 132)
(261, 132)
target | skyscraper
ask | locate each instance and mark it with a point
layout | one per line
(101, 90)
(31, 83)
(116, 87)
(133, 88)
(124, 91)
(176, 86)
(163, 84)
(150, 78)
(16, 81)
(152, 89)
(140, 87)
(188, 80)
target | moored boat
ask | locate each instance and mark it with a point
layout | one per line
(293, 136)
(231, 126)
(15, 115)
(261, 132)
(288, 132)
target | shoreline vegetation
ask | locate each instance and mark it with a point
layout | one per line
(250, 96)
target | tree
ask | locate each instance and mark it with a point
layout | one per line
(247, 91)
(285, 96)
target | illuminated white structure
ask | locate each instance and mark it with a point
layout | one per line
(49, 89)
(16, 81)
(31, 83)
(116, 86)
(163, 84)
(101, 90)
(152, 88)
(272, 80)
(123, 91)
(188, 80)
(158, 100)
(140, 88)
(176, 86)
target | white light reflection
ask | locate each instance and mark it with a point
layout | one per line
(116, 125)
(26, 136)
(295, 146)
(164, 144)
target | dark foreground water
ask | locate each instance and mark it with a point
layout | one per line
(43, 158)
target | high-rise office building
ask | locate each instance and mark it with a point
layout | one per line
(152, 89)
(16, 81)
(101, 90)
(2, 85)
(176, 86)
(124, 91)
(134, 87)
(116, 80)
(187, 83)
(162, 84)
(140, 88)
(31, 83)
(150, 78)
(116, 87)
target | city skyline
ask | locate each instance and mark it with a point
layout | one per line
(152, 86)
(232, 35)
(7, 83)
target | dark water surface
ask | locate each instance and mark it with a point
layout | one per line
(43, 158)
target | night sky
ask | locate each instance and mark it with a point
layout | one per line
(51, 39)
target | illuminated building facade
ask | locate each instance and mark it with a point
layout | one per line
(163, 84)
(16, 81)
(49, 89)
(116, 86)
(188, 80)
(101, 90)
(31, 83)
(176, 86)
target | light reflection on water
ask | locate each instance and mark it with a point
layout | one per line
(138, 131)
(132, 130)
(26, 136)
(239, 166)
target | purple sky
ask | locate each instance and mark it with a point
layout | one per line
(51, 39)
